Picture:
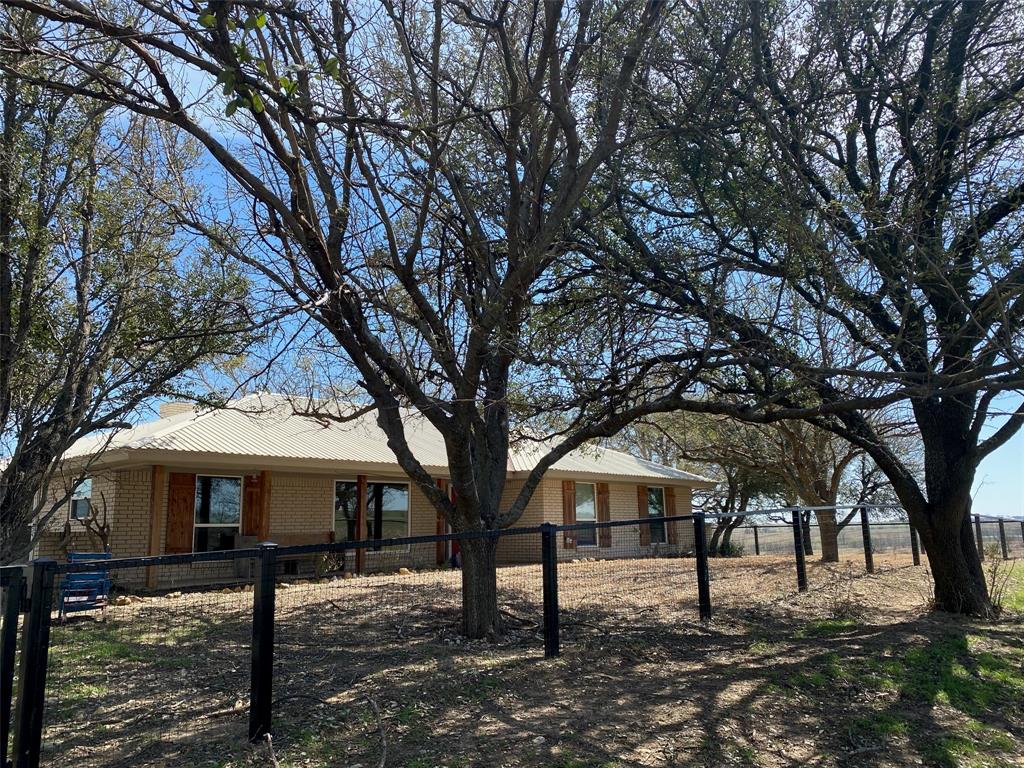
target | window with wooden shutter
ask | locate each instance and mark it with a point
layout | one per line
(569, 512)
(604, 515)
(181, 510)
(670, 511)
(641, 508)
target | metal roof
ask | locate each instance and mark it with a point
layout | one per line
(267, 426)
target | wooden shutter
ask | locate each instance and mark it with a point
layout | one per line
(670, 511)
(256, 506)
(251, 492)
(641, 508)
(264, 515)
(604, 514)
(181, 512)
(569, 512)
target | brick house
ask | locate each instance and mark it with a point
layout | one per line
(228, 478)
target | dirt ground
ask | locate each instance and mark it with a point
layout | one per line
(371, 672)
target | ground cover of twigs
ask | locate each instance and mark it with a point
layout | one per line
(372, 672)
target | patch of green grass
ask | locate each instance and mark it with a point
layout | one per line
(408, 715)
(764, 647)
(951, 670)
(79, 690)
(880, 725)
(827, 628)
(946, 671)
(99, 643)
(482, 688)
(822, 674)
(1013, 598)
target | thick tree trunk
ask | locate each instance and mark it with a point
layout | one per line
(956, 568)
(829, 531)
(480, 616)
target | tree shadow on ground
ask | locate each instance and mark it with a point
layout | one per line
(771, 682)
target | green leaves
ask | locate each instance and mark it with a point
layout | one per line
(255, 22)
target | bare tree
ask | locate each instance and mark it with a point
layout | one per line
(102, 304)
(409, 174)
(857, 163)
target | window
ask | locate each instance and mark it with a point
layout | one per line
(218, 513)
(81, 500)
(387, 511)
(586, 512)
(656, 508)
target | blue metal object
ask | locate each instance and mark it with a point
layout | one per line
(85, 590)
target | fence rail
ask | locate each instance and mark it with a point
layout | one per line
(557, 585)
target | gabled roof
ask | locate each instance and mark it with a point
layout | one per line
(266, 427)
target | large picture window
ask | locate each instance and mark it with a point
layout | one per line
(656, 509)
(586, 512)
(218, 513)
(81, 500)
(387, 511)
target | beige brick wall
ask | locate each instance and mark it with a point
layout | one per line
(129, 535)
(51, 541)
(625, 540)
(545, 506)
(301, 505)
(302, 511)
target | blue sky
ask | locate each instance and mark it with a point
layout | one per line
(999, 485)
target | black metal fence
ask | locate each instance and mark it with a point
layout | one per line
(230, 645)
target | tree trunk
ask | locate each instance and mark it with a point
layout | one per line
(829, 531)
(715, 536)
(956, 567)
(805, 527)
(734, 523)
(480, 617)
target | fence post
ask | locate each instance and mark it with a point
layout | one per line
(549, 570)
(865, 532)
(1002, 539)
(978, 539)
(915, 545)
(8, 645)
(700, 545)
(798, 548)
(35, 649)
(757, 542)
(261, 681)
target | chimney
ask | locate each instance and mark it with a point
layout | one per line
(173, 409)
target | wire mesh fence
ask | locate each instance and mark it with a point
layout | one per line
(619, 579)
(163, 677)
(176, 660)
(1000, 537)
(772, 534)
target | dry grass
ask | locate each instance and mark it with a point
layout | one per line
(852, 673)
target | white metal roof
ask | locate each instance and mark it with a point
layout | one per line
(266, 426)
